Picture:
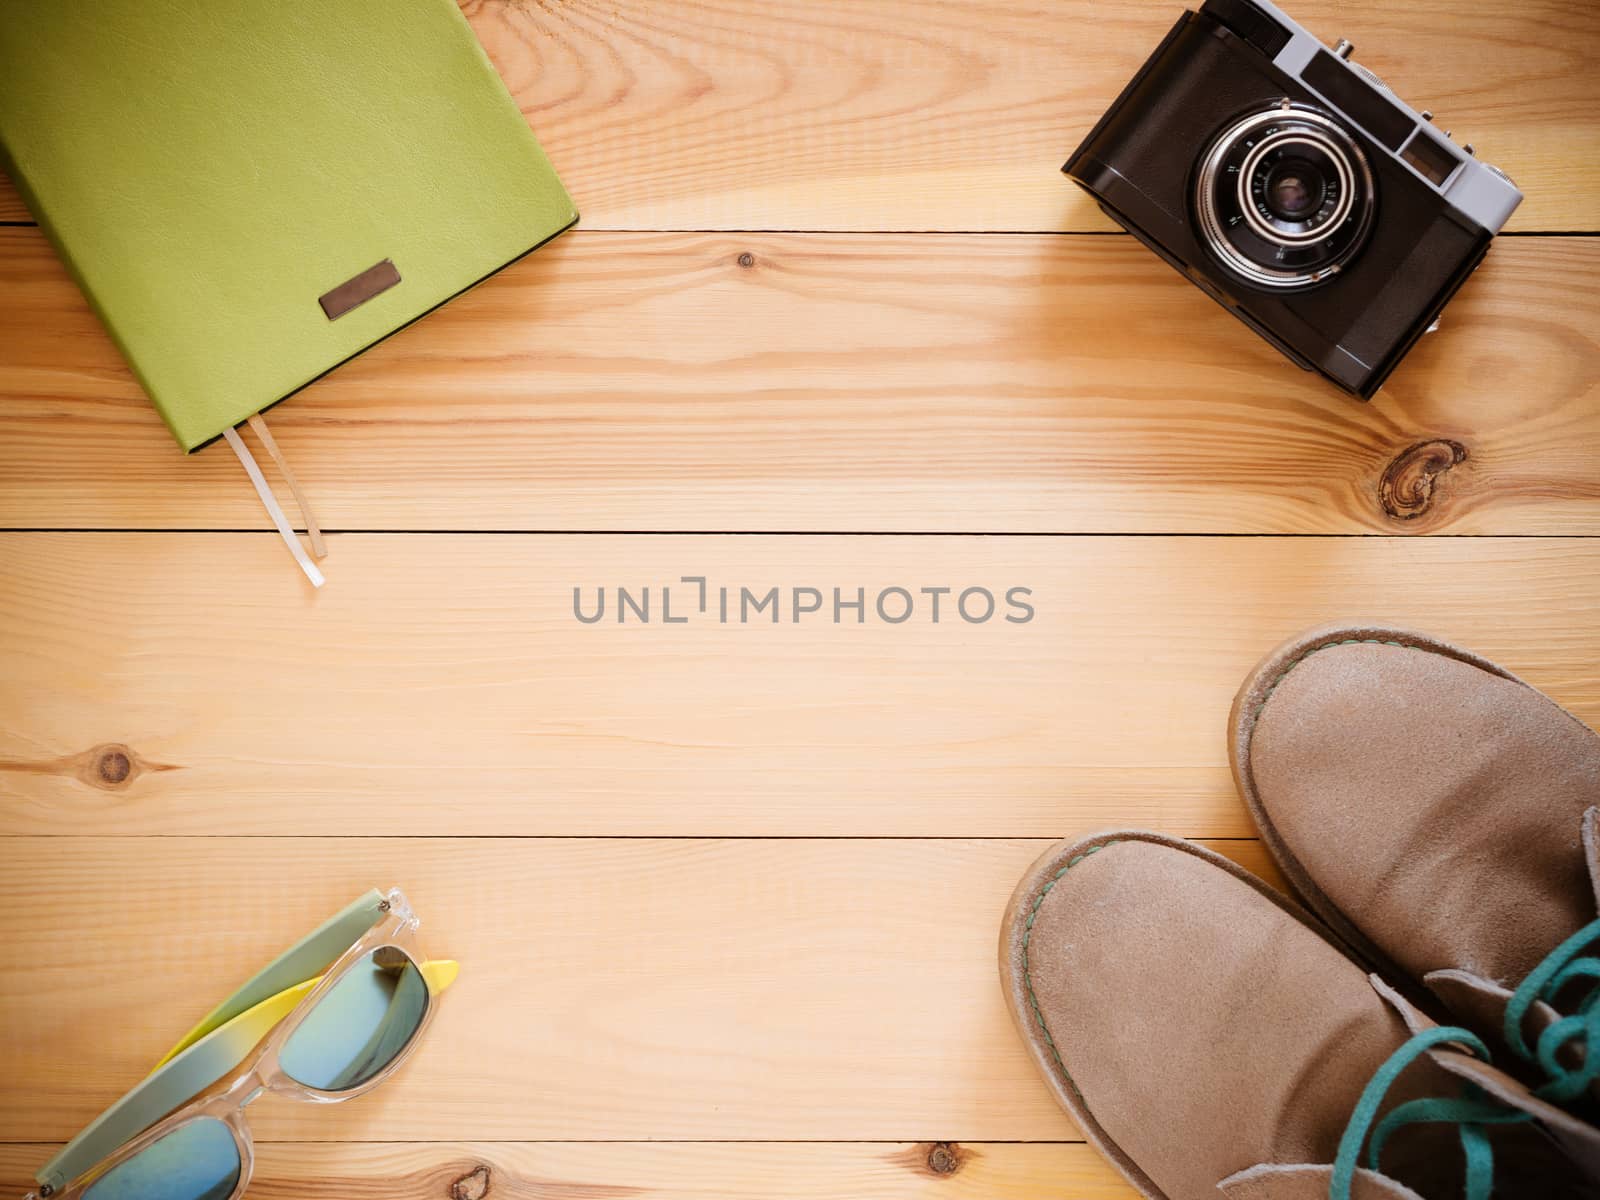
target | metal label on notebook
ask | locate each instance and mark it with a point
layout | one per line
(357, 290)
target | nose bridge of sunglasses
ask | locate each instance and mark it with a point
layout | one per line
(244, 1091)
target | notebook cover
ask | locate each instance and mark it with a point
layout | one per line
(210, 171)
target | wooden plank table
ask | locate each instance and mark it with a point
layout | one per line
(726, 892)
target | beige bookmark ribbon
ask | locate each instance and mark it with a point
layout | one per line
(264, 436)
(270, 502)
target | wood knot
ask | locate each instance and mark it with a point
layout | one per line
(945, 1158)
(109, 767)
(474, 1185)
(112, 765)
(747, 260)
(1410, 481)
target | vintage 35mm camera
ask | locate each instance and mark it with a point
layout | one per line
(1292, 186)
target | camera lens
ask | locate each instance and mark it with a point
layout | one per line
(1284, 197)
(1294, 185)
(1295, 189)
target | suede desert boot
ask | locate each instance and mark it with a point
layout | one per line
(1439, 814)
(1211, 1041)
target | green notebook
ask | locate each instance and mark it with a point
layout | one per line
(250, 192)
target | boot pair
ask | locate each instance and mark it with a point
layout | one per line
(1429, 1029)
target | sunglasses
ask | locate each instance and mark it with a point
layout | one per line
(328, 1019)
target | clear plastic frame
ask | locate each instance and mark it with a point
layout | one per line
(261, 1071)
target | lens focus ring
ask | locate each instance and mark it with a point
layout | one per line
(1309, 158)
(1284, 197)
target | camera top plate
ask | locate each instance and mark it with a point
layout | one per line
(1479, 191)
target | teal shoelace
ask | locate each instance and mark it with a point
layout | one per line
(1575, 1034)
(1473, 1111)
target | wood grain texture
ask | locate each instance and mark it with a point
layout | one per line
(766, 925)
(957, 114)
(610, 989)
(793, 382)
(191, 683)
(656, 1171)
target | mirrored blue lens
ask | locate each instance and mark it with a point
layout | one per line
(197, 1161)
(360, 1025)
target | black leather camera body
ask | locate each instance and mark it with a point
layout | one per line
(1293, 187)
